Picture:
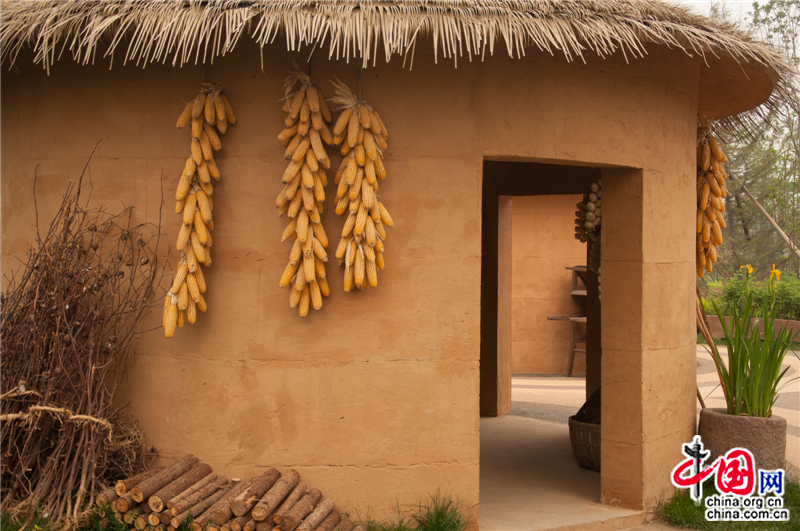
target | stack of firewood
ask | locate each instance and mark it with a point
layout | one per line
(163, 499)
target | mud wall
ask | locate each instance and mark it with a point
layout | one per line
(374, 399)
(543, 245)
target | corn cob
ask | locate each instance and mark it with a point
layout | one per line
(362, 135)
(209, 113)
(711, 190)
(186, 115)
(301, 199)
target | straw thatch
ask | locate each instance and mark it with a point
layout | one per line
(193, 31)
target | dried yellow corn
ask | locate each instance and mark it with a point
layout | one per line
(197, 151)
(310, 269)
(218, 111)
(291, 147)
(170, 321)
(203, 205)
(304, 301)
(303, 127)
(213, 137)
(352, 130)
(186, 115)
(197, 127)
(305, 110)
(197, 247)
(289, 230)
(297, 103)
(287, 134)
(191, 312)
(194, 289)
(316, 295)
(302, 148)
(203, 175)
(319, 268)
(180, 277)
(201, 304)
(359, 269)
(379, 265)
(230, 116)
(291, 170)
(302, 226)
(183, 237)
(316, 121)
(210, 113)
(295, 205)
(307, 176)
(294, 298)
(222, 125)
(289, 273)
(207, 188)
(342, 123)
(320, 234)
(199, 104)
(380, 170)
(349, 277)
(311, 161)
(189, 208)
(372, 273)
(385, 217)
(211, 165)
(183, 296)
(201, 229)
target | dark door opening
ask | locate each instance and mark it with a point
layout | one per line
(510, 179)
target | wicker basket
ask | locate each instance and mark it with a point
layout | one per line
(585, 439)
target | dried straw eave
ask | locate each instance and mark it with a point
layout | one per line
(196, 31)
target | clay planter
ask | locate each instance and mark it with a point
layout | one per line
(765, 437)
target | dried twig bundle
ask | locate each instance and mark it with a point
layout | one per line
(209, 112)
(303, 195)
(68, 318)
(363, 136)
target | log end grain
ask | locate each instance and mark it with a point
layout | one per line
(137, 495)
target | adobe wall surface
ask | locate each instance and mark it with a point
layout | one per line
(542, 246)
(374, 399)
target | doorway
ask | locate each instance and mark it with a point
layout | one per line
(501, 179)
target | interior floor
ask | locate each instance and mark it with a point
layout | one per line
(530, 480)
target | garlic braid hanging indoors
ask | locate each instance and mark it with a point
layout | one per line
(363, 135)
(303, 194)
(210, 112)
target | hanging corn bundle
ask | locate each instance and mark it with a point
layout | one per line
(363, 136)
(588, 220)
(209, 113)
(303, 194)
(711, 190)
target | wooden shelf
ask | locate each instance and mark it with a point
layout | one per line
(579, 292)
(582, 269)
(570, 318)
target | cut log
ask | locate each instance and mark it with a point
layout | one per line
(160, 527)
(124, 503)
(145, 508)
(320, 512)
(258, 487)
(201, 494)
(200, 522)
(105, 498)
(288, 503)
(345, 525)
(124, 486)
(130, 516)
(291, 519)
(198, 508)
(155, 518)
(238, 523)
(180, 484)
(330, 521)
(151, 485)
(250, 525)
(140, 522)
(221, 512)
(191, 490)
(359, 528)
(275, 495)
(103, 523)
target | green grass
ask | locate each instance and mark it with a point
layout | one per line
(682, 512)
(439, 513)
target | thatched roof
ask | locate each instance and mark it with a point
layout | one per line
(180, 32)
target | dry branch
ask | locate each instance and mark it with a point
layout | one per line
(69, 315)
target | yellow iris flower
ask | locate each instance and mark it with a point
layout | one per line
(774, 273)
(749, 268)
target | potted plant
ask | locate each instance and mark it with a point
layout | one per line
(750, 381)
